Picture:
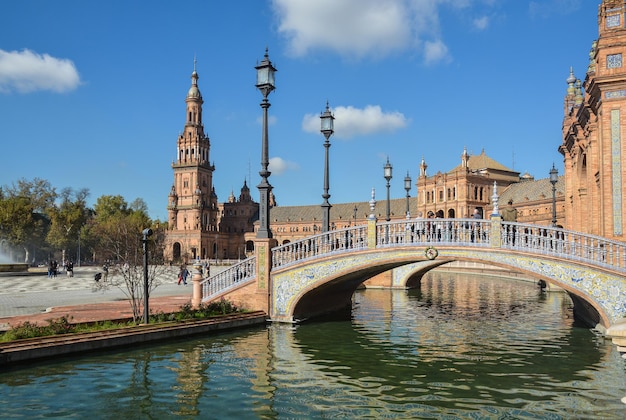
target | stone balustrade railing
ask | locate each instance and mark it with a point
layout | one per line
(482, 233)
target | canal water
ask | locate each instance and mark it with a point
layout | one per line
(460, 347)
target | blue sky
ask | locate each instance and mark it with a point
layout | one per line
(92, 94)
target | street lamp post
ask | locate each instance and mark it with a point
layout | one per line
(407, 187)
(355, 211)
(388, 175)
(146, 291)
(327, 130)
(554, 177)
(265, 83)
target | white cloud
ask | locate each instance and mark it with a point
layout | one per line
(350, 121)
(435, 51)
(26, 71)
(358, 28)
(278, 166)
(350, 27)
(481, 23)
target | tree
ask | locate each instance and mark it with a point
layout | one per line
(41, 194)
(118, 231)
(23, 213)
(68, 219)
(20, 226)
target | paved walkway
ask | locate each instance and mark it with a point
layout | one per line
(36, 298)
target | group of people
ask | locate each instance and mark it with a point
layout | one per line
(184, 273)
(53, 268)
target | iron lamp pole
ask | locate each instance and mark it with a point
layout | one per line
(327, 129)
(146, 289)
(554, 177)
(265, 83)
(407, 187)
(388, 175)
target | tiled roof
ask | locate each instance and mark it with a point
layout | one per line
(522, 192)
(482, 161)
(340, 212)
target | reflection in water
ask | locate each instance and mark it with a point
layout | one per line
(461, 346)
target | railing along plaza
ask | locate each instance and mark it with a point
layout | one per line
(526, 238)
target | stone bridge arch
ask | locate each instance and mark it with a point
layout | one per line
(314, 288)
(320, 273)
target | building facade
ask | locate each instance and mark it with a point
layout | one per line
(452, 194)
(593, 146)
(199, 227)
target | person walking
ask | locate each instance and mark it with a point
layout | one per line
(182, 275)
(69, 268)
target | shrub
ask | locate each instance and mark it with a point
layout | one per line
(63, 324)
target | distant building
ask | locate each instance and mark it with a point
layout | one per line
(452, 194)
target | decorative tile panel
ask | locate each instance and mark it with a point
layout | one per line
(613, 21)
(615, 94)
(613, 61)
(616, 169)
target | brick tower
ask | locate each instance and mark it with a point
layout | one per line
(594, 146)
(192, 204)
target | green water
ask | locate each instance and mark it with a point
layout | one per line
(461, 347)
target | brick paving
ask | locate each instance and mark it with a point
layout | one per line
(36, 298)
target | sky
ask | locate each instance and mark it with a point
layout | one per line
(92, 93)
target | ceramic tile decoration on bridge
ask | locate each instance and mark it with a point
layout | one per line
(319, 273)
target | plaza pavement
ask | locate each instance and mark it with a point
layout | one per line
(36, 298)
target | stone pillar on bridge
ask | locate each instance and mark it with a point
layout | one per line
(263, 250)
(495, 236)
(196, 279)
(371, 223)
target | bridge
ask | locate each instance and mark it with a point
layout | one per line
(319, 274)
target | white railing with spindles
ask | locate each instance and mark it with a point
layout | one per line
(521, 237)
(230, 278)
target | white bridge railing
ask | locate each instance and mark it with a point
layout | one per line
(469, 232)
(332, 242)
(230, 278)
(565, 244)
(521, 237)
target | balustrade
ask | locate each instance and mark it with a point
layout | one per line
(230, 278)
(530, 239)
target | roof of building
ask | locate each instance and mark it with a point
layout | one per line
(482, 161)
(341, 211)
(527, 191)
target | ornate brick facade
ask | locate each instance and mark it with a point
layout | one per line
(593, 144)
(198, 225)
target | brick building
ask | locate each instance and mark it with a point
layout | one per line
(593, 147)
(198, 225)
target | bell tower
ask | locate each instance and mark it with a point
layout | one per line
(192, 206)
